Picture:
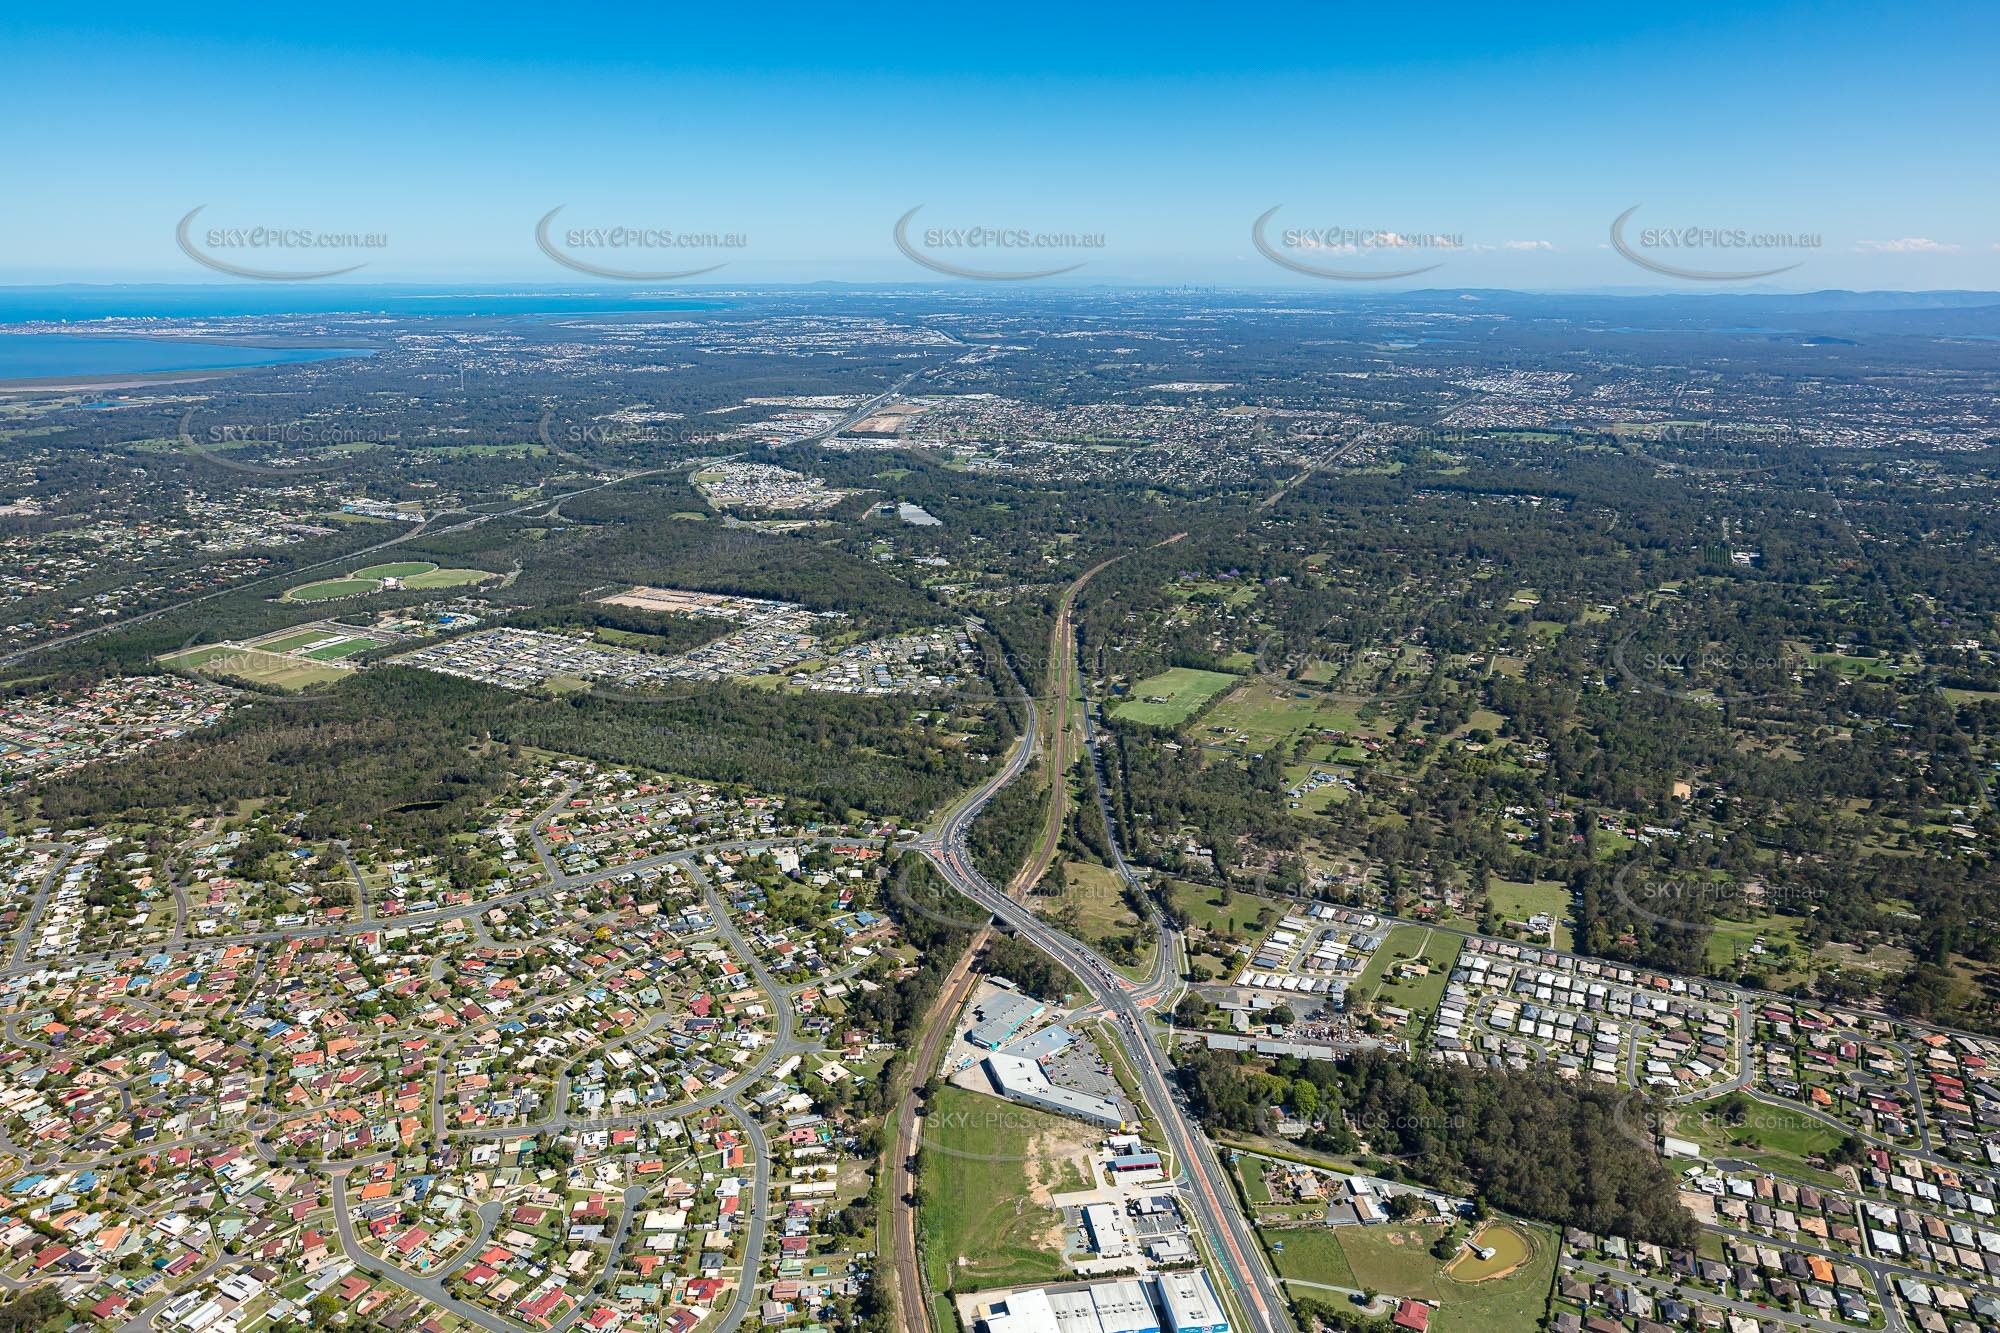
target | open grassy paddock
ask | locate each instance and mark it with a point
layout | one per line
(1384, 981)
(1171, 697)
(232, 662)
(1772, 1137)
(987, 1170)
(1243, 913)
(1311, 1255)
(1263, 716)
(1515, 901)
(1092, 900)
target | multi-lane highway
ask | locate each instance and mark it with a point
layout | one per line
(1221, 1221)
(1124, 1001)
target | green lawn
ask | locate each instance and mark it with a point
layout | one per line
(395, 570)
(1311, 1254)
(1204, 907)
(1397, 1260)
(1729, 939)
(1250, 1170)
(286, 643)
(328, 589)
(446, 578)
(979, 1225)
(333, 652)
(1419, 994)
(1178, 692)
(260, 668)
(1515, 901)
(1876, 667)
(1771, 1136)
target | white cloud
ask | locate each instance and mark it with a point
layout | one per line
(1526, 245)
(1908, 245)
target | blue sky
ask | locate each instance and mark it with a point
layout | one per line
(803, 134)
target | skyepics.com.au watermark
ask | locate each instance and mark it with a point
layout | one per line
(1704, 253)
(1375, 1125)
(252, 251)
(1711, 431)
(1710, 658)
(273, 665)
(1742, 1118)
(986, 1132)
(1677, 665)
(1353, 240)
(1688, 900)
(987, 253)
(1388, 252)
(950, 908)
(617, 251)
(564, 436)
(1009, 238)
(288, 450)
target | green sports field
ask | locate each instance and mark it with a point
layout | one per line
(395, 570)
(333, 652)
(292, 641)
(1397, 1260)
(327, 590)
(416, 574)
(443, 578)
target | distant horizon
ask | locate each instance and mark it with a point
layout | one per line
(1809, 147)
(640, 291)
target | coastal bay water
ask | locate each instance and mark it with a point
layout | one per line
(28, 356)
